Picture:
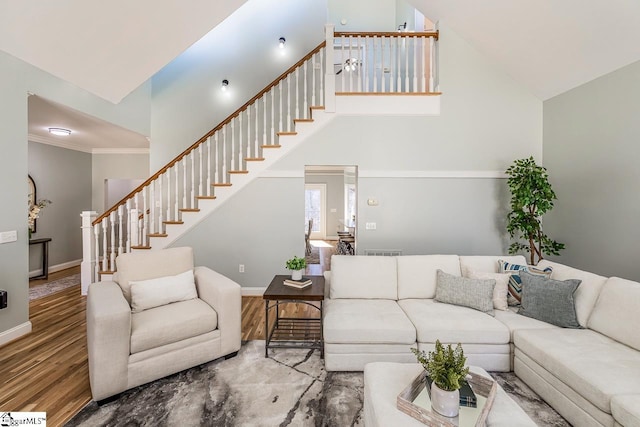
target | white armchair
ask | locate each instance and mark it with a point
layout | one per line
(127, 349)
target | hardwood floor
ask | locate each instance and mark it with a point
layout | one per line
(47, 370)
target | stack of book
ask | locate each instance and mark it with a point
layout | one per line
(297, 283)
(467, 396)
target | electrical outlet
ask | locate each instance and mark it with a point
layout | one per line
(370, 225)
(241, 268)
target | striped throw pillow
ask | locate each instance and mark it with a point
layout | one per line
(515, 282)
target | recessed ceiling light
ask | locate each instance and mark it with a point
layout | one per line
(60, 131)
(225, 84)
(281, 42)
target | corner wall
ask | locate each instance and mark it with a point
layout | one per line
(591, 151)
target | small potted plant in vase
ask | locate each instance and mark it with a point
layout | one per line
(446, 367)
(296, 265)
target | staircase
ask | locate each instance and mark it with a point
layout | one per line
(298, 103)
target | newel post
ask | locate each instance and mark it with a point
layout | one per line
(329, 77)
(88, 265)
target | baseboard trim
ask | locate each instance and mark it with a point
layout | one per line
(15, 333)
(57, 267)
(253, 291)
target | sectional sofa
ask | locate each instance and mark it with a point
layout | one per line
(377, 308)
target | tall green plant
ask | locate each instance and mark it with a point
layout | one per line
(531, 197)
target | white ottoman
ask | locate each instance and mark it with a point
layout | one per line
(383, 381)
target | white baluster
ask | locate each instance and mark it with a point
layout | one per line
(193, 179)
(313, 80)
(112, 258)
(297, 112)
(160, 204)
(273, 116)
(343, 85)
(152, 208)
(105, 251)
(128, 212)
(405, 42)
(264, 118)
(305, 104)
(145, 217)
(185, 190)
(281, 111)
(353, 70)
(232, 152)
(375, 64)
(120, 236)
(289, 102)
(322, 81)
(134, 214)
(361, 68)
(176, 199)
(201, 171)
(240, 143)
(209, 164)
(168, 217)
(399, 42)
(415, 64)
(96, 234)
(365, 67)
(382, 69)
(223, 154)
(431, 63)
(256, 143)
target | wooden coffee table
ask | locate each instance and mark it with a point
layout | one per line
(294, 332)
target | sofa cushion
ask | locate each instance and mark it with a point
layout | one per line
(171, 323)
(417, 274)
(453, 324)
(146, 294)
(151, 265)
(501, 289)
(616, 313)
(515, 283)
(487, 263)
(626, 409)
(549, 300)
(590, 363)
(366, 277)
(515, 321)
(472, 293)
(586, 294)
(366, 321)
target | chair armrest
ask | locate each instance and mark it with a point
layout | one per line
(108, 339)
(225, 297)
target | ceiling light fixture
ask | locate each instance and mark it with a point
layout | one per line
(60, 131)
(281, 42)
(225, 84)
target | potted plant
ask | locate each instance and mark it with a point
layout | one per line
(531, 197)
(296, 265)
(446, 367)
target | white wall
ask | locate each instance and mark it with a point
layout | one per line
(591, 150)
(363, 15)
(487, 121)
(108, 166)
(16, 80)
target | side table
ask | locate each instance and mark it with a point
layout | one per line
(294, 332)
(45, 257)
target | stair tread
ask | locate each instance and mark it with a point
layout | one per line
(238, 172)
(140, 247)
(316, 107)
(271, 146)
(205, 197)
(222, 184)
(173, 222)
(158, 235)
(189, 210)
(106, 272)
(286, 133)
(254, 159)
(303, 120)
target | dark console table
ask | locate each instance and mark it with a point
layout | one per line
(45, 256)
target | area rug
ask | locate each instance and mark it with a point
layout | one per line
(54, 286)
(290, 388)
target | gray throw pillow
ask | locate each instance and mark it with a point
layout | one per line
(549, 300)
(472, 293)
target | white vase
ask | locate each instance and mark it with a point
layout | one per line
(296, 274)
(444, 402)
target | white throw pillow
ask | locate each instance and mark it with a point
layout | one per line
(501, 289)
(146, 294)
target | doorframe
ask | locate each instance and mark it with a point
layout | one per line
(322, 234)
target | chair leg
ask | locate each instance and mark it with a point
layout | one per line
(230, 355)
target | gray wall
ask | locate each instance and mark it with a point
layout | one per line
(64, 177)
(487, 120)
(591, 150)
(110, 166)
(16, 80)
(334, 200)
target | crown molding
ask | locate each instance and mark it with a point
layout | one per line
(76, 147)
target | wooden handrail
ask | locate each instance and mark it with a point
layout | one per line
(211, 132)
(434, 34)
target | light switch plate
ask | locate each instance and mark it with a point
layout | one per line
(8, 236)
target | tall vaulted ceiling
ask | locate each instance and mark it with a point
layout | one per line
(110, 48)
